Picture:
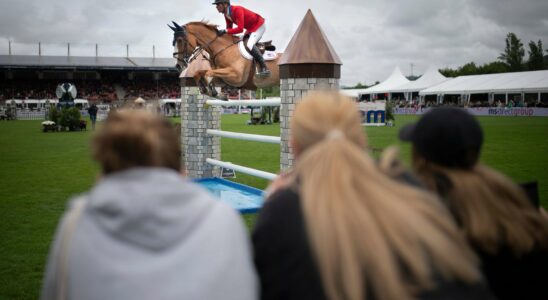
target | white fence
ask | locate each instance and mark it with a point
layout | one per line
(244, 136)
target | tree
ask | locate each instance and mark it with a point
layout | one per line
(536, 58)
(513, 53)
(493, 68)
(448, 72)
(468, 69)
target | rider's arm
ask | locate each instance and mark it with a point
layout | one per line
(228, 23)
(238, 17)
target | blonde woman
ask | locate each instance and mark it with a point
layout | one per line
(337, 228)
(506, 230)
(145, 232)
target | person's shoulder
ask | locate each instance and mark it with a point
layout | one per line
(452, 290)
(282, 199)
(281, 210)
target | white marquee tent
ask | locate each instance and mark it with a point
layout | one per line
(502, 83)
(430, 78)
(395, 80)
(353, 93)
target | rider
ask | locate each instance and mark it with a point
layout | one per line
(244, 19)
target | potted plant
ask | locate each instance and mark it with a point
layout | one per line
(54, 116)
(389, 110)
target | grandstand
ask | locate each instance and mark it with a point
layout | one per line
(98, 79)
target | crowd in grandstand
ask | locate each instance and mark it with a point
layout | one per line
(472, 103)
(92, 90)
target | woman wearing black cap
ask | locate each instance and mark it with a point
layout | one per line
(508, 233)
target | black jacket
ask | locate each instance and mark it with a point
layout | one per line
(285, 262)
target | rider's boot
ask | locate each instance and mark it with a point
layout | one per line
(263, 71)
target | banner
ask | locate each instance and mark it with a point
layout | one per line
(373, 113)
(485, 111)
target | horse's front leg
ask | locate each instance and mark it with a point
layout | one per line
(201, 83)
(229, 75)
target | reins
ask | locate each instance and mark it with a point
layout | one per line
(187, 59)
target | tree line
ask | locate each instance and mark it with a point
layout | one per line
(512, 59)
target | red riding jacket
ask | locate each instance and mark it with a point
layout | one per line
(244, 19)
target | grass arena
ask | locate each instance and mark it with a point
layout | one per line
(41, 171)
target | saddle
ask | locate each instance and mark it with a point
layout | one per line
(263, 46)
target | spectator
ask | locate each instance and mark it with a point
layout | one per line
(143, 232)
(92, 111)
(337, 228)
(507, 232)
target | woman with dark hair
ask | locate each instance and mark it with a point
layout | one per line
(336, 227)
(506, 230)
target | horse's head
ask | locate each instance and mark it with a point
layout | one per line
(188, 37)
(184, 44)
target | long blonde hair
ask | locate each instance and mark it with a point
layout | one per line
(370, 235)
(491, 209)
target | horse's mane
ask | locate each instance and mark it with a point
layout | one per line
(204, 23)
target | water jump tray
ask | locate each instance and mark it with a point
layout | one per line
(244, 198)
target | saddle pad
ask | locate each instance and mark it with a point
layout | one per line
(268, 55)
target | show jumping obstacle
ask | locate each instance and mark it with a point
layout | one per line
(309, 63)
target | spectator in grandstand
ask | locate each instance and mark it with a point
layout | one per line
(92, 111)
(144, 232)
(337, 228)
(507, 232)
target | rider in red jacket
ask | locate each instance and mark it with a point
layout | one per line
(253, 24)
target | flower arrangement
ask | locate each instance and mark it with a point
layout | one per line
(48, 126)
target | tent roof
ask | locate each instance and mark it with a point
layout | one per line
(395, 80)
(430, 78)
(354, 93)
(532, 81)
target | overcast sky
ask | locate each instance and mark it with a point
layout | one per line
(370, 36)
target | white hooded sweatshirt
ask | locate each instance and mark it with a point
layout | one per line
(147, 233)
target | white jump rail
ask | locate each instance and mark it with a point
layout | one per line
(265, 102)
(246, 170)
(245, 136)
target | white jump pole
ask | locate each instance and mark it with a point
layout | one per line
(246, 170)
(266, 102)
(244, 136)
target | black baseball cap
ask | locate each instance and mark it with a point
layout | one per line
(447, 136)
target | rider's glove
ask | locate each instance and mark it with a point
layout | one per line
(221, 32)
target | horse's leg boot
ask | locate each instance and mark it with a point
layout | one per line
(264, 71)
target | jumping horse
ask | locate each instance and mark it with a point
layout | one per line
(199, 40)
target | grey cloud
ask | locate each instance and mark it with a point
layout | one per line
(370, 36)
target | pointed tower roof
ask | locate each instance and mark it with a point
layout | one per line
(309, 45)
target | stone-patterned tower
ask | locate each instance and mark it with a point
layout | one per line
(308, 63)
(196, 118)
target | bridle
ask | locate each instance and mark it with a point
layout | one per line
(182, 32)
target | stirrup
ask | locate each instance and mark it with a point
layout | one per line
(264, 73)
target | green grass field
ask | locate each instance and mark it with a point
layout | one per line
(40, 171)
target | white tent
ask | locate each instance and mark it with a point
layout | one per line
(430, 78)
(395, 80)
(518, 82)
(353, 93)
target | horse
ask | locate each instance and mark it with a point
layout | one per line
(228, 66)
